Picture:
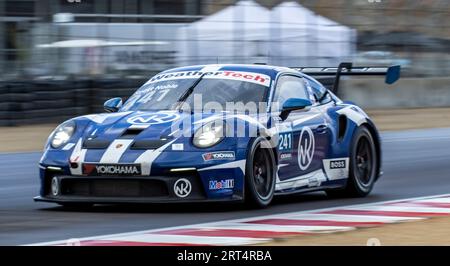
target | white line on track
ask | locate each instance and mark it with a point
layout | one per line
(152, 236)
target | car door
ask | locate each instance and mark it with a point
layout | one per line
(302, 137)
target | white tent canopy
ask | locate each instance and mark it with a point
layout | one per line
(247, 32)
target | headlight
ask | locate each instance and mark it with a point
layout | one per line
(62, 134)
(209, 134)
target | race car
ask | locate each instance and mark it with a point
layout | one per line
(217, 133)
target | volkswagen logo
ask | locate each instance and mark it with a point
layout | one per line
(306, 146)
(182, 187)
(152, 119)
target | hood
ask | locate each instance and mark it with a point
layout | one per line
(142, 124)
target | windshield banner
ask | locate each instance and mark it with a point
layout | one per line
(252, 77)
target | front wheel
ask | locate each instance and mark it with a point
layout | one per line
(260, 173)
(363, 166)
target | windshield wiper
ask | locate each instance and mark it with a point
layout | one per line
(189, 91)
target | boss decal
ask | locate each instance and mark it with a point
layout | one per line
(152, 119)
(306, 146)
(336, 168)
(222, 155)
(339, 164)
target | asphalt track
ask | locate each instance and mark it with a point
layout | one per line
(416, 163)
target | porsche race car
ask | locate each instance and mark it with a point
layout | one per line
(217, 133)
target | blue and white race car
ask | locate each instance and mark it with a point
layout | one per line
(217, 133)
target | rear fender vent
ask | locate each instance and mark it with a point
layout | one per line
(342, 127)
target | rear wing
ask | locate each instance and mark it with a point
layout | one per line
(392, 73)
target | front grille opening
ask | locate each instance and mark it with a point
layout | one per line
(113, 188)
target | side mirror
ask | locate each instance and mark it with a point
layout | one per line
(113, 105)
(392, 74)
(293, 104)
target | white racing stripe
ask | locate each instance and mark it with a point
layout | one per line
(438, 200)
(146, 159)
(115, 150)
(100, 118)
(193, 240)
(353, 115)
(349, 218)
(403, 209)
(304, 119)
(281, 228)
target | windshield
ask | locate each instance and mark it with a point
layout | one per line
(164, 94)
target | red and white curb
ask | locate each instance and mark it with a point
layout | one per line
(256, 230)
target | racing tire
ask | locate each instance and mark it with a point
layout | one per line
(363, 169)
(260, 174)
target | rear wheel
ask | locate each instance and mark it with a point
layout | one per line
(260, 174)
(363, 166)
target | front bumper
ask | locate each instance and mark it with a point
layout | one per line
(156, 188)
(117, 189)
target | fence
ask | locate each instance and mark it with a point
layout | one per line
(412, 33)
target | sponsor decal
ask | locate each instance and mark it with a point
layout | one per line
(222, 155)
(182, 188)
(306, 146)
(285, 156)
(178, 147)
(340, 164)
(111, 169)
(252, 77)
(336, 168)
(313, 182)
(152, 119)
(221, 184)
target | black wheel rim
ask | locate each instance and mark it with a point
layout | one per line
(262, 172)
(364, 162)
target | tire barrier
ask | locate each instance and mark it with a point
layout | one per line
(53, 101)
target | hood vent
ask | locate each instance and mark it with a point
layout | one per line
(96, 144)
(149, 144)
(131, 133)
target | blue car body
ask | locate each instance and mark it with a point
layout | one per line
(133, 156)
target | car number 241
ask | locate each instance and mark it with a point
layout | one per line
(285, 141)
